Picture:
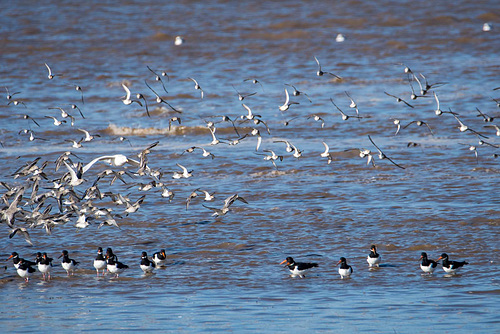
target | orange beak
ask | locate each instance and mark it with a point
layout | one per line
(440, 258)
(284, 262)
(10, 257)
(338, 263)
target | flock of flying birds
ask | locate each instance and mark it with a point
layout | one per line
(41, 196)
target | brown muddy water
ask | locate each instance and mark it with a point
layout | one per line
(223, 273)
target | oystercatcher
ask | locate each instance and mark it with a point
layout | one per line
(373, 258)
(451, 267)
(100, 261)
(160, 258)
(114, 266)
(24, 269)
(297, 268)
(16, 259)
(345, 270)
(67, 263)
(427, 266)
(44, 264)
(146, 265)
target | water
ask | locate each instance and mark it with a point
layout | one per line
(223, 274)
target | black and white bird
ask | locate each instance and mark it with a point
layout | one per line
(427, 266)
(160, 258)
(297, 268)
(24, 269)
(373, 258)
(67, 263)
(100, 261)
(345, 270)
(146, 265)
(44, 265)
(451, 267)
(113, 265)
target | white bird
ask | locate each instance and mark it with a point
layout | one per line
(185, 174)
(50, 75)
(326, 153)
(320, 73)
(127, 101)
(76, 176)
(287, 103)
(56, 121)
(197, 86)
(250, 115)
(88, 137)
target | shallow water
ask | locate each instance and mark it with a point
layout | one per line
(223, 274)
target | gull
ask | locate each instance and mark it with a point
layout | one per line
(289, 147)
(250, 115)
(398, 99)
(485, 117)
(254, 81)
(273, 157)
(50, 75)
(76, 144)
(397, 122)
(190, 197)
(419, 123)
(320, 72)
(367, 153)
(127, 101)
(464, 127)
(241, 96)
(472, 148)
(79, 89)
(173, 119)
(8, 213)
(17, 102)
(495, 127)
(256, 132)
(116, 160)
(140, 96)
(32, 135)
(287, 103)
(56, 121)
(296, 152)
(158, 78)
(185, 174)
(482, 142)
(345, 117)
(76, 176)
(197, 86)
(64, 114)
(318, 119)
(31, 118)
(227, 203)
(215, 141)
(74, 106)
(9, 95)
(258, 121)
(167, 193)
(296, 92)
(88, 136)
(208, 197)
(414, 96)
(381, 154)
(178, 40)
(23, 231)
(228, 119)
(353, 104)
(131, 208)
(326, 153)
(427, 86)
(160, 100)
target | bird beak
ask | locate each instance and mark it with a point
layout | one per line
(420, 258)
(10, 257)
(338, 263)
(440, 258)
(284, 261)
(60, 255)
